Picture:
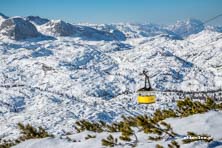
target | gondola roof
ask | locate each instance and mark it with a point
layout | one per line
(146, 89)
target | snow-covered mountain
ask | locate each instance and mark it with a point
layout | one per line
(93, 71)
(2, 18)
(107, 32)
(214, 28)
(187, 27)
(37, 20)
(58, 28)
(17, 28)
(61, 28)
(139, 30)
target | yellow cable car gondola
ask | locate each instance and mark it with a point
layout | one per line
(146, 95)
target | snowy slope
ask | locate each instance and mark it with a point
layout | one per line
(200, 124)
(94, 72)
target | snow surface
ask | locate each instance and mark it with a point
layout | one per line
(207, 123)
(53, 80)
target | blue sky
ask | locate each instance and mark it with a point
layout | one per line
(114, 11)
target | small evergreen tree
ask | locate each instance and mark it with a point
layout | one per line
(90, 136)
(110, 141)
(126, 132)
(29, 132)
(159, 146)
(173, 144)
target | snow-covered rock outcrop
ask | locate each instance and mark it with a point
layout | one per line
(2, 18)
(37, 20)
(17, 28)
(58, 28)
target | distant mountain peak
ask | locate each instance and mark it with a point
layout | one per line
(3, 16)
(37, 20)
(58, 28)
(17, 28)
(187, 27)
(190, 21)
(110, 32)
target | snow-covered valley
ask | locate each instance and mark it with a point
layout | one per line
(53, 73)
